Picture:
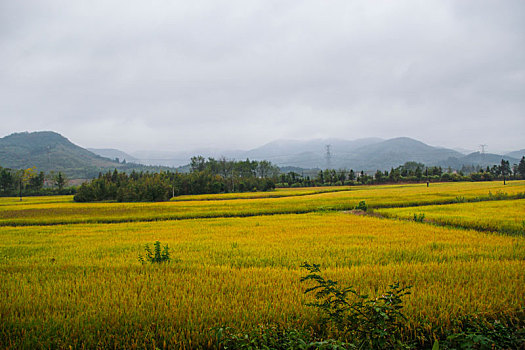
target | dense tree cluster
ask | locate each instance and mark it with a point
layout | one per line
(206, 176)
(23, 182)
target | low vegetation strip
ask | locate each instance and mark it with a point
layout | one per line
(506, 216)
(277, 193)
(84, 286)
(375, 197)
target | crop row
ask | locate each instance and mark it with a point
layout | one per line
(375, 197)
(277, 193)
(506, 216)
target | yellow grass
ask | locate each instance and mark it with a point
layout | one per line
(40, 213)
(82, 284)
(278, 192)
(15, 201)
(504, 216)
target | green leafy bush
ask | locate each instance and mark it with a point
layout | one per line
(273, 337)
(363, 322)
(370, 323)
(479, 333)
(158, 255)
(362, 206)
(419, 217)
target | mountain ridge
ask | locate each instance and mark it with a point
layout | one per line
(47, 151)
(50, 151)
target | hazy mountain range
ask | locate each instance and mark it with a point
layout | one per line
(367, 154)
(48, 151)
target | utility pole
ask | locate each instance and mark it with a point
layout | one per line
(426, 173)
(483, 149)
(328, 157)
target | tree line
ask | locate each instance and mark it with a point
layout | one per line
(27, 182)
(408, 172)
(206, 176)
(222, 176)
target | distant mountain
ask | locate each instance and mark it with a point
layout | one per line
(113, 153)
(166, 158)
(476, 158)
(463, 150)
(368, 154)
(397, 151)
(284, 148)
(49, 151)
(298, 153)
(516, 154)
(307, 153)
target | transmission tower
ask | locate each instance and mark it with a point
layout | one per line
(483, 147)
(328, 157)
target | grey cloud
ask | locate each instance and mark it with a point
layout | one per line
(240, 73)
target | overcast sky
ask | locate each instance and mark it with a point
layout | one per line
(175, 75)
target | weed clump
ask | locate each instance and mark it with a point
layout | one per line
(158, 255)
(419, 217)
(362, 206)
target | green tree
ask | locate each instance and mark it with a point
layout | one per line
(7, 180)
(23, 177)
(36, 182)
(521, 167)
(60, 180)
(418, 173)
(379, 176)
(505, 169)
(197, 163)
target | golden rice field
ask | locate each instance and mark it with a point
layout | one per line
(15, 201)
(503, 216)
(81, 285)
(278, 192)
(58, 212)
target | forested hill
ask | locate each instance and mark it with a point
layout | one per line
(50, 151)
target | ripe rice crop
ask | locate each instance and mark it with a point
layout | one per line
(82, 285)
(375, 196)
(278, 192)
(9, 201)
(504, 216)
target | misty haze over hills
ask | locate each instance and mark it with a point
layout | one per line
(367, 154)
(49, 151)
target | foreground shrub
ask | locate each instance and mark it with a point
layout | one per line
(273, 337)
(157, 256)
(362, 206)
(419, 217)
(478, 333)
(371, 323)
